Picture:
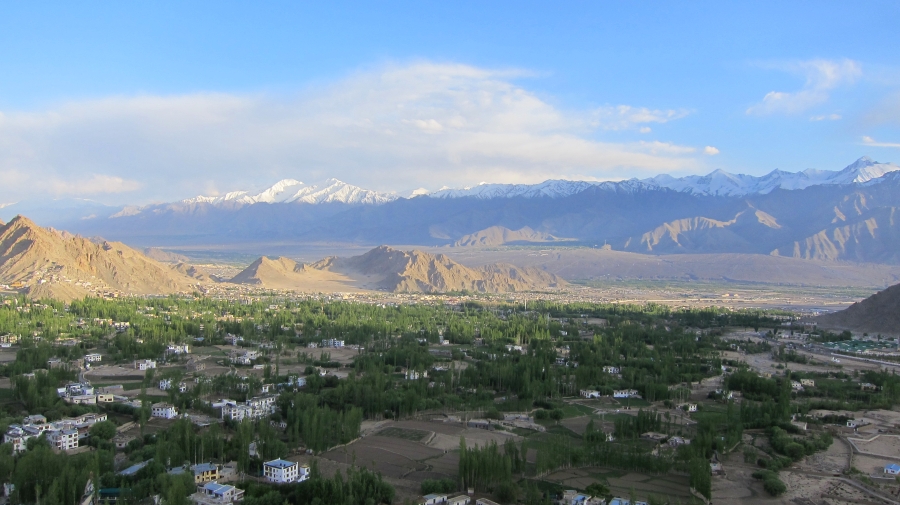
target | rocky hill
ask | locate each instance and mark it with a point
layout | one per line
(388, 269)
(45, 262)
(500, 235)
(879, 313)
(158, 254)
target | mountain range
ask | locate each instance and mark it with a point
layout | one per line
(388, 269)
(46, 262)
(846, 215)
(43, 262)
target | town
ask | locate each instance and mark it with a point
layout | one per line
(273, 398)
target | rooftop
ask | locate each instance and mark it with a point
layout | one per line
(280, 463)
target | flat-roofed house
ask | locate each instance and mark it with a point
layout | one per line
(281, 471)
(213, 493)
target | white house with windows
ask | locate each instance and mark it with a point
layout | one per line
(282, 472)
(254, 408)
(333, 343)
(245, 358)
(63, 440)
(590, 393)
(163, 410)
(892, 469)
(412, 375)
(235, 411)
(144, 364)
(261, 406)
(626, 393)
(611, 370)
(178, 349)
(434, 499)
(93, 357)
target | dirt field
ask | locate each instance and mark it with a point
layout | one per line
(883, 446)
(621, 483)
(408, 452)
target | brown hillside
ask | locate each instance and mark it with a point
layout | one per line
(195, 272)
(44, 262)
(160, 255)
(415, 271)
(287, 274)
(702, 234)
(879, 313)
(388, 269)
(873, 237)
(499, 235)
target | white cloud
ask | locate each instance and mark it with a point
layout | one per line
(625, 117)
(869, 141)
(822, 76)
(710, 150)
(826, 117)
(422, 124)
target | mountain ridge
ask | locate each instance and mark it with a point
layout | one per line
(47, 262)
(879, 313)
(387, 269)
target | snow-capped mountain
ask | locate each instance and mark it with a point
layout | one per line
(722, 183)
(551, 188)
(293, 191)
(716, 183)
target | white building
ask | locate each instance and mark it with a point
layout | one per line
(18, 436)
(590, 393)
(626, 393)
(165, 384)
(611, 369)
(689, 407)
(261, 406)
(163, 410)
(434, 499)
(246, 358)
(233, 339)
(254, 408)
(144, 364)
(332, 342)
(178, 349)
(235, 411)
(63, 440)
(892, 469)
(93, 358)
(281, 471)
(412, 375)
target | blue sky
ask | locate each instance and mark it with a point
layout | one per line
(137, 102)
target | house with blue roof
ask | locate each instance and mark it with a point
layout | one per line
(892, 469)
(213, 493)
